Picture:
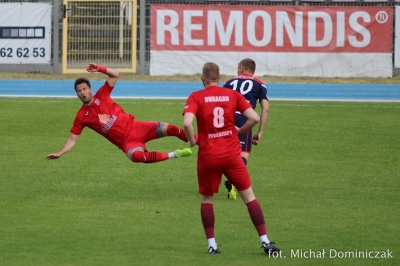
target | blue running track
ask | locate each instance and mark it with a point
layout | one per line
(181, 90)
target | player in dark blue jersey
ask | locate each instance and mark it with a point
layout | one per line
(253, 90)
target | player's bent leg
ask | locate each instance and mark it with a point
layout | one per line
(161, 129)
(148, 157)
(165, 129)
(140, 155)
(173, 130)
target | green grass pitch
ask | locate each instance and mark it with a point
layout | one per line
(327, 176)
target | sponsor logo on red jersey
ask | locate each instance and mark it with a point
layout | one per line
(107, 121)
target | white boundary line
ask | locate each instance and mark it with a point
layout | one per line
(184, 98)
(283, 103)
(331, 100)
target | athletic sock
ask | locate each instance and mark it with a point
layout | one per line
(264, 238)
(257, 217)
(173, 130)
(208, 219)
(212, 243)
(149, 157)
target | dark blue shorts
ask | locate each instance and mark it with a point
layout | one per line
(245, 138)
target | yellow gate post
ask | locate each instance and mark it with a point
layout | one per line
(101, 31)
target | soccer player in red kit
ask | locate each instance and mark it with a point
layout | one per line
(101, 114)
(219, 150)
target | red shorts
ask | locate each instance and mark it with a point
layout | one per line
(141, 133)
(210, 171)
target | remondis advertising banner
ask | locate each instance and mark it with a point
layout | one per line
(310, 41)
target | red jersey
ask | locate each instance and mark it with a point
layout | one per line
(105, 117)
(215, 109)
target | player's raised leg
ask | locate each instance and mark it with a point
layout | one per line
(143, 132)
(140, 155)
(165, 129)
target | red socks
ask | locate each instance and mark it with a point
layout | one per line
(148, 157)
(177, 132)
(255, 211)
(257, 216)
(208, 219)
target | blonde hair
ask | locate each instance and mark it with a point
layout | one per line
(210, 72)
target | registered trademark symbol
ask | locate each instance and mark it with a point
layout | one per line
(381, 17)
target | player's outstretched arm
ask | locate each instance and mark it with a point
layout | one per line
(67, 147)
(188, 128)
(263, 121)
(113, 74)
(252, 120)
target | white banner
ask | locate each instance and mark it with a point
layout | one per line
(347, 65)
(25, 33)
(397, 38)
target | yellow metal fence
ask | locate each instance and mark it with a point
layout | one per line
(103, 32)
